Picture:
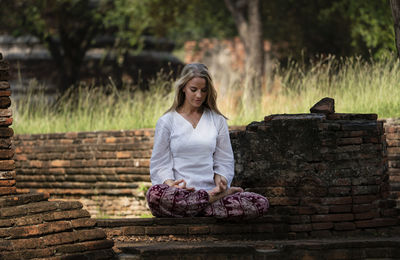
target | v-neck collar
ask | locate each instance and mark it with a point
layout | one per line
(187, 121)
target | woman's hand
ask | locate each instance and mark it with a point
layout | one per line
(221, 184)
(181, 184)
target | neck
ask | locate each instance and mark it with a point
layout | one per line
(188, 109)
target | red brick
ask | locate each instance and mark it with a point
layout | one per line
(60, 238)
(133, 230)
(322, 225)
(7, 165)
(7, 191)
(29, 254)
(332, 218)
(26, 243)
(5, 121)
(84, 246)
(345, 226)
(87, 235)
(83, 222)
(7, 183)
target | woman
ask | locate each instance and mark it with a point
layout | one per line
(192, 164)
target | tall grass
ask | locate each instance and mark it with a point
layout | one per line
(358, 86)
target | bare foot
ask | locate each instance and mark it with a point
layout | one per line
(216, 196)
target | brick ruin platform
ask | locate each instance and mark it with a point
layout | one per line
(327, 180)
(30, 225)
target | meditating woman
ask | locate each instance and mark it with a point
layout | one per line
(192, 164)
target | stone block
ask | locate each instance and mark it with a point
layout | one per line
(133, 230)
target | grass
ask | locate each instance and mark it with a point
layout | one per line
(358, 86)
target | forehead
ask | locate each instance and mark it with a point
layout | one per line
(196, 82)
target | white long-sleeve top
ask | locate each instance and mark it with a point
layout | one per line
(193, 154)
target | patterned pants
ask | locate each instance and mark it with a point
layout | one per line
(166, 201)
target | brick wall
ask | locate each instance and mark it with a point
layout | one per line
(31, 226)
(328, 173)
(392, 130)
(107, 171)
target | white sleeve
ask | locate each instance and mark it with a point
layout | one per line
(223, 155)
(161, 162)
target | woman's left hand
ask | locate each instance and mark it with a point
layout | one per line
(221, 184)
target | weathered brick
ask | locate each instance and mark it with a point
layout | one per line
(7, 191)
(198, 230)
(4, 84)
(230, 229)
(365, 190)
(7, 165)
(83, 222)
(300, 228)
(6, 132)
(377, 222)
(361, 199)
(322, 225)
(340, 208)
(336, 200)
(7, 175)
(28, 254)
(84, 246)
(366, 215)
(166, 230)
(283, 201)
(364, 208)
(345, 226)
(91, 234)
(7, 183)
(332, 218)
(340, 191)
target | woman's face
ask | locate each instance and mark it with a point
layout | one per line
(195, 92)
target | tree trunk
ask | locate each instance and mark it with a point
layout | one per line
(395, 6)
(250, 32)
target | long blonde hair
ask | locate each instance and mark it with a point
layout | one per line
(189, 72)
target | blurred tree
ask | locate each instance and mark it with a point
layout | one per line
(249, 25)
(395, 6)
(66, 27)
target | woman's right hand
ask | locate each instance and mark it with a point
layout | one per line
(181, 184)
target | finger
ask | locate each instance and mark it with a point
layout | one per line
(190, 189)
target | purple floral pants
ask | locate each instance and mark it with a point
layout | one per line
(166, 201)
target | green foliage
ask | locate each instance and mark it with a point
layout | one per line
(358, 86)
(371, 24)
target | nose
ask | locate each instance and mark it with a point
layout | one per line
(198, 94)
